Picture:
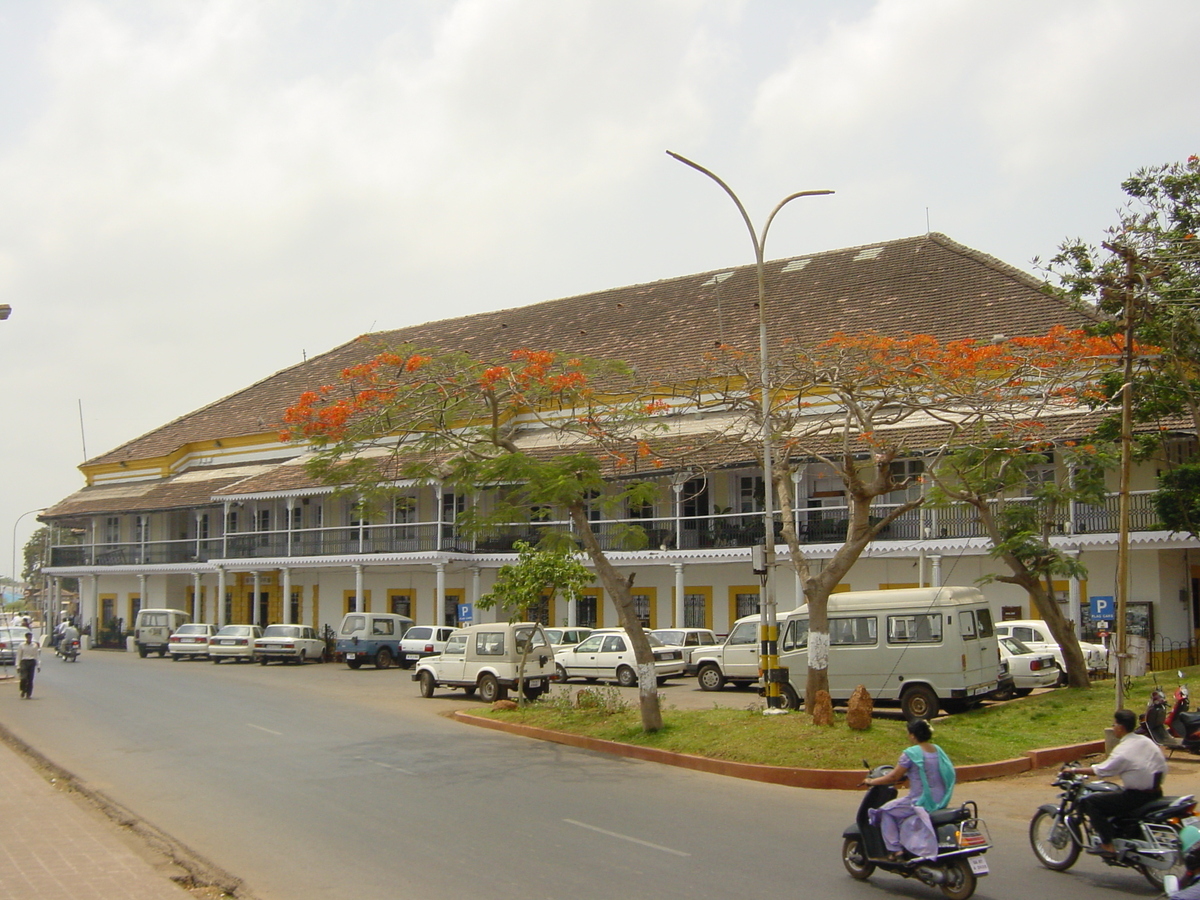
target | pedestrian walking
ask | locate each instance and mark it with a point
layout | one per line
(29, 660)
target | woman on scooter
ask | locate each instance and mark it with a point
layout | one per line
(904, 822)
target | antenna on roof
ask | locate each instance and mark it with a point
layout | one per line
(927, 228)
(82, 436)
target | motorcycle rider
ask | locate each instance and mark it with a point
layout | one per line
(1141, 765)
(70, 635)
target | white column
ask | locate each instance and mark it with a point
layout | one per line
(935, 570)
(1074, 601)
(359, 603)
(477, 587)
(679, 607)
(257, 588)
(89, 600)
(195, 596)
(142, 593)
(219, 618)
(439, 594)
(287, 583)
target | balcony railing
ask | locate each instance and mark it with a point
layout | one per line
(819, 525)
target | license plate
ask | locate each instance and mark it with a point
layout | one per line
(979, 865)
(351, 655)
(412, 655)
(534, 682)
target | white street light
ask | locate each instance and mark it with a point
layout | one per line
(769, 628)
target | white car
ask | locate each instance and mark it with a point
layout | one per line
(234, 642)
(567, 638)
(191, 640)
(488, 659)
(289, 643)
(689, 639)
(421, 641)
(1028, 669)
(1035, 634)
(608, 656)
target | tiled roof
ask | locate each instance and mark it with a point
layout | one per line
(192, 488)
(927, 284)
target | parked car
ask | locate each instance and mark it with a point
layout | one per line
(289, 643)
(9, 638)
(735, 661)
(152, 629)
(421, 641)
(234, 642)
(371, 637)
(1029, 668)
(191, 640)
(1035, 634)
(689, 639)
(608, 656)
(566, 638)
(487, 659)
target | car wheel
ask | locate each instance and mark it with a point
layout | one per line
(142, 651)
(490, 690)
(626, 677)
(919, 702)
(710, 678)
(354, 663)
(175, 657)
(531, 693)
(216, 660)
(561, 672)
(404, 663)
(262, 660)
(300, 658)
(1022, 692)
(162, 653)
(383, 659)
(469, 690)
(427, 683)
(787, 693)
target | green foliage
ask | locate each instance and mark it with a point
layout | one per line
(1149, 266)
(1177, 500)
(537, 574)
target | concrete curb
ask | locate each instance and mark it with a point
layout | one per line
(791, 776)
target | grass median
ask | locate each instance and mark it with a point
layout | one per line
(1001, 731)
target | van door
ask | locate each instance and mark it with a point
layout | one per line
(980, 657)
(453, 661)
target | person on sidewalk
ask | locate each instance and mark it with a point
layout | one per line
(29, 659)
(1140, 763)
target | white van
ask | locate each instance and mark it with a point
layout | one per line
(925, 647)
(152, 629)
(371, 637)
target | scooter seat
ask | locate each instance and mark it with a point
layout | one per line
(1147, 808)
(950, 816)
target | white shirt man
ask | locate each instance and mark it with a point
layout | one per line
(29, 658)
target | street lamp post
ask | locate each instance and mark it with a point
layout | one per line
(769, 628)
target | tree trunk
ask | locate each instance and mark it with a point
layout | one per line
(619, 589)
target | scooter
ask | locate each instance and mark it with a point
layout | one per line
(962, 840)
(68, 650)
(1146, 839)
(1175, 729)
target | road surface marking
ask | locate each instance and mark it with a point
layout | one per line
(626, 837)
(267, 730)
(383, 765)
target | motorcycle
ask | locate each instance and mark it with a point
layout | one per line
(68, 650)
(1176, 729)
(962, 840)
(1147, 839)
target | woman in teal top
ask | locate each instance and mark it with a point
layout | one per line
(904, 822)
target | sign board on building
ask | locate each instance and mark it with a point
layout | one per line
(466, 612)
(1103, 608)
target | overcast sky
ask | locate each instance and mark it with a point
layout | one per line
(194, 195)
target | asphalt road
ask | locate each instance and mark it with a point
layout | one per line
(322, 782)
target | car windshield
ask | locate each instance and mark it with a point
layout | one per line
(353, 624)
(654, 642)
(669, 637)
(282, 631)
(554, 635)
(419, 633)
(535, 636)
(192, 629)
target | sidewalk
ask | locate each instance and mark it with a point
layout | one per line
(52, 848)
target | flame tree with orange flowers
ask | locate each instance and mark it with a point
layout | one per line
(449, 417)
(860, 403)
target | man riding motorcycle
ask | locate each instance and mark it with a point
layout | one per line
(1140, 763)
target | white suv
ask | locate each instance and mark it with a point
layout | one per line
(487, 658)
(421, 641)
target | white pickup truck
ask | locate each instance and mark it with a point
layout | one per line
(733, 662)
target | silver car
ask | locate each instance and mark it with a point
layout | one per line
(289, 643)
(234, 642)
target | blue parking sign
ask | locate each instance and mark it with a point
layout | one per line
(1103, 609)
(466, 612)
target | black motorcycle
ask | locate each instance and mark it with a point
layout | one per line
(1146, 839)
(962, 840)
